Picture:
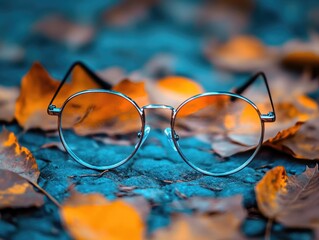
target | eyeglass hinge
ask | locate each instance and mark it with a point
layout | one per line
(53, 110)
(269, 117)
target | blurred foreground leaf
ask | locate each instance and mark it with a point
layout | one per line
(213, 219)
(8, 97)
(93, 217)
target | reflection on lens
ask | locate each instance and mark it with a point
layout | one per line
(100, 128)
(217, 133)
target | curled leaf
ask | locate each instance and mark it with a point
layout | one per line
(303, 144)
(93, 217)
(291, 200)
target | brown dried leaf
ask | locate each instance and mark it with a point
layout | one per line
(291, 111)
(16, 158)
(223, 222)
(291, 200)
(62, 30)
(127, 12)
(93, 217)
(304, 144)
(297, 55)
(57, 145)
(8, 97)
(17, 192)
(213, 205)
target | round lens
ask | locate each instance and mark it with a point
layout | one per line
(100, 129)
(218, 133)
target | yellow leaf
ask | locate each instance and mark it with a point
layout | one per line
(94, 217)
(267, 190)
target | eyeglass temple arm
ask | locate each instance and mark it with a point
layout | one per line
(271, 116)
(96, 78)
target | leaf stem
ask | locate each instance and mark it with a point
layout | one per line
(268, 229)
(46, 194)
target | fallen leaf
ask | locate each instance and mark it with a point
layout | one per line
(214, 219)
(17, 192)
(62, 30)
(290, 200)
(38, 88)
(297, 55)
(213, 205)
(134, 90)
(93, 217)
(8, 97)
(241, 53)
(293, 108)
(168, 90)
(127, 12)
(17, 158)
(11, 53)
(57, 145)
(303, 144)
(226, 17)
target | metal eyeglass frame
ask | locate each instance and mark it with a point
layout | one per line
(170, 133)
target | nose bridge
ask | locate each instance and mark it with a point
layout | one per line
(158, 106)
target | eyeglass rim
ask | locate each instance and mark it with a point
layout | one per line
(215, 93)
(78, 159)
(175, 111)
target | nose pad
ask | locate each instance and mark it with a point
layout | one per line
(147, 130)
(168, 133)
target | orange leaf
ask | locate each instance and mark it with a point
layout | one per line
(8, 97)
(241, 53)
(173, 90)
(267, 190)
(16, 158)
(93, 217)
(37, 89)
(291, 200)
(17, 192)
(134, 90)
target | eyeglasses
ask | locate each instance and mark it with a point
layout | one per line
(102, 129)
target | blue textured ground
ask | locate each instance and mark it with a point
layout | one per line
(131, 48)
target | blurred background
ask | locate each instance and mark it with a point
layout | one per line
(206, 41)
